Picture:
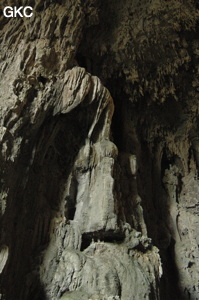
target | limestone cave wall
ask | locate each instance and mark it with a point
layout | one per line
(99, 150)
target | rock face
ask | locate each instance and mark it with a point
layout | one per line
(99, 151)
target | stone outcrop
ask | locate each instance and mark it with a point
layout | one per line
(99, 151)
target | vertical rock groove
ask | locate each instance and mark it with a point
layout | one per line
(99, 151)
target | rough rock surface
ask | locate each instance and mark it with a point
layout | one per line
(99, 151)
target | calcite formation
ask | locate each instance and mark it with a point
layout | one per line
(99, 151)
